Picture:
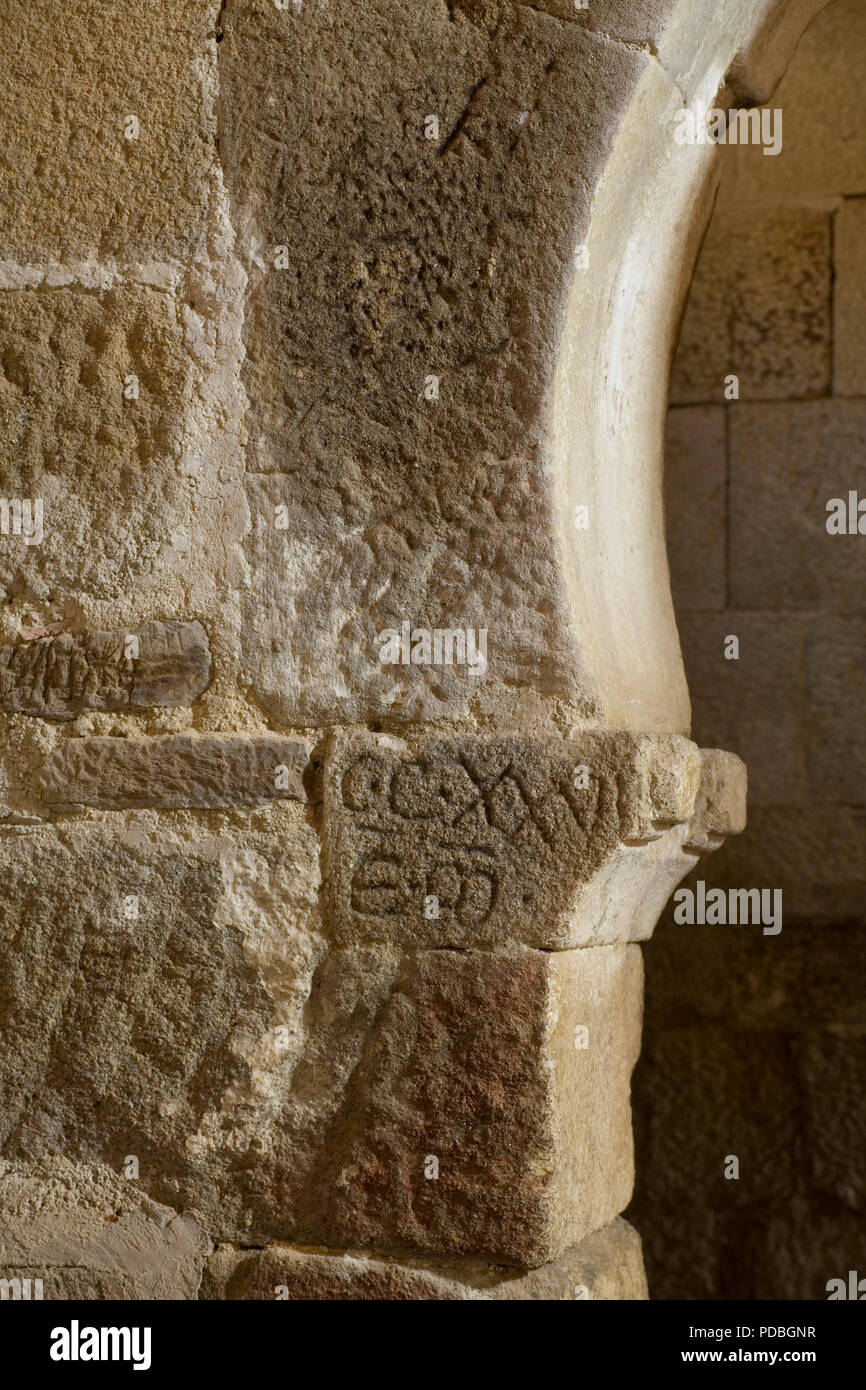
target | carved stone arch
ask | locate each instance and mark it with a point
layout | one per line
(649, 210)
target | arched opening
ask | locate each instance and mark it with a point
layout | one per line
(754, 1043)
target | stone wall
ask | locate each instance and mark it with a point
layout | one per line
(343, 766)
(755, 1044)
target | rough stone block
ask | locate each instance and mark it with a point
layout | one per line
(154, 1002)
(695, 474)
(759, 307)
(86, 1233)
(278, 1093)
(787, 462)
(705, 1093)
(59, 677)
(835, 671)
(469, 1065)
(79, 183)
(849, 299)
(400, 507)
(103, 467)
(822, 100)
(607, 1265)
(796, 1253)
(712, 1090)
(833, 1077)
(756, 704)
(176, 771)
(473, 841)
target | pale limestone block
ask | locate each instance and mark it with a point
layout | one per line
(787, 462)
(756, 705)
(607, 1265)
(87, 1233)
(758, 308)
(821, 96)
(695, 507)
(835, 672)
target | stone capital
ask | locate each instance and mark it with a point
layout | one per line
(470, 841)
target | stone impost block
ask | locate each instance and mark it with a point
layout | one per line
(466, 841)
(59, 677)
(177, 771)
(86, 1233)
(720, 809)
(608, 1265)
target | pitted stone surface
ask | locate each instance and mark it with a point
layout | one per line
(173, 772)
(468, 1059)
(279, 1093)
(761, 274)
(467, 841)
(607, 1265)
(154, 1001)
(58, 677)
(104, 466)
(88, 1234)
(78, 183)
(272, 357)
(447, 258)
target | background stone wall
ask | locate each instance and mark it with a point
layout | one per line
(756, 1045)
